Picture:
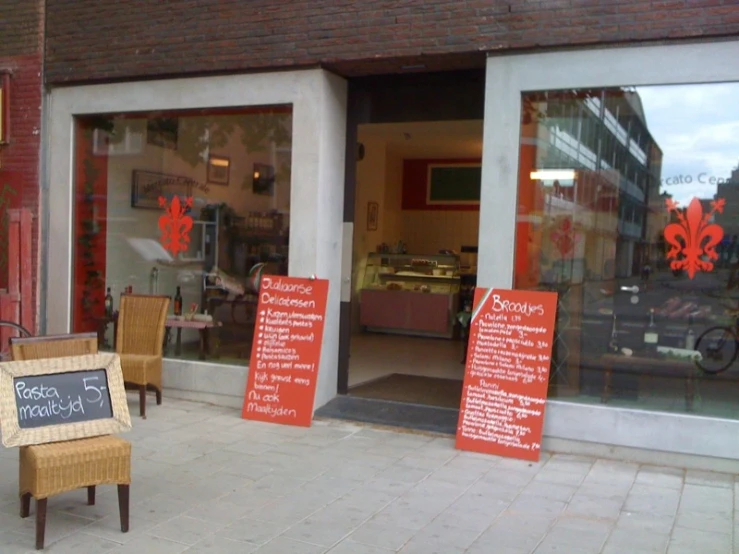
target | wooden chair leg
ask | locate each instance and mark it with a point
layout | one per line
(91, 495)
(40, 522)
(25, 504)
(142, 401)
(159, 396)
(123, 499)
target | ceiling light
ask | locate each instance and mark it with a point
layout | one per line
(552, 174)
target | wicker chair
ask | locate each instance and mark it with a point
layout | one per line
(49, 469)
(139, 340)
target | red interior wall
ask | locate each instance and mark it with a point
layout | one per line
(90, 216)
(415, 181)
(525, 239)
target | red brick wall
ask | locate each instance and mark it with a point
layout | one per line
(20, 54)
(114, 39)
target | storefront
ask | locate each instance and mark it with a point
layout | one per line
(527, 124)
(577, 164)
(234, 156)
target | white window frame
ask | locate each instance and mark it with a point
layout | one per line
(507, 78)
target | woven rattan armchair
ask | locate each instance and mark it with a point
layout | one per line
(49, 469)
(139, 340)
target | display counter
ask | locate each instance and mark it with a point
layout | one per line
(412, 295)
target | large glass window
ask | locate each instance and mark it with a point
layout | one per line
(629, 209)
(193, 205)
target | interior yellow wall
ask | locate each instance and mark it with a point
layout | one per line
(380, 179)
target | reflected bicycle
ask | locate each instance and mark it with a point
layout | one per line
(718, 346)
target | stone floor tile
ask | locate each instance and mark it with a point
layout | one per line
(550, 491)
(548, 546)
(347, 488)
(322, 532)
(569, 478)
(14, 542)
(696, 540)
(593, 506)
(253, 531)
(287, 510)
(423, 547)
(715, 522)
(660, 477)
(390, 537)
(700, 498)
(569, 464)
(58, 525)
(633, 539)
(351, 547)
(150, 545)
(444, 533)
(473, 518)
(579, 532)
(218, 545)
(652, 500)
(285, 545)
(78, 543)
(219, 510)
(619, 549)
(526, 506)
(109, 528)
(185, 529)
(612, 472)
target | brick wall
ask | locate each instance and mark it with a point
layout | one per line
(110, 39)
(20, 54)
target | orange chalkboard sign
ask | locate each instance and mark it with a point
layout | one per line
(287, 350)
(507, 373)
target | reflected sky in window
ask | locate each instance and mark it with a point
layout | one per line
(697, 128)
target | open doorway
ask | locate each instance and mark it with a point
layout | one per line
(415, 241)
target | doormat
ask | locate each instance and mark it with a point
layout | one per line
(412, 389)
(391, 414)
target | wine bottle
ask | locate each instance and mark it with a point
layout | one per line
(613, 342)
(108, 304)
(154, 281)
(651, 334)
(178, 302)
(690, 335)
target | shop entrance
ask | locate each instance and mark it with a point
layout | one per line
(413, 191)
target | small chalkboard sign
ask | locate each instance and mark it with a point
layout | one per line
(58, 399)
(62, 398)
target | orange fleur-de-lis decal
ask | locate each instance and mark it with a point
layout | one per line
(693, 237)
(175, 225)
(564, 238)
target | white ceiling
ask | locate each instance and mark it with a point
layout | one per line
(442, 139)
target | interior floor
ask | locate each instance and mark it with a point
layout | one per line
(374, 356)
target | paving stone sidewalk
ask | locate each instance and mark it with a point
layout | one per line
(205, 481)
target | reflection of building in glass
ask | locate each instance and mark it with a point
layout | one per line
(613, 202)
(729, 191)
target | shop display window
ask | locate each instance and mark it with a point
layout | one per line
(628, 207)
(194, 205)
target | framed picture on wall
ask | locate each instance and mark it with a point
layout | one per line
(148, 186)
(219, 168)
(373, 215)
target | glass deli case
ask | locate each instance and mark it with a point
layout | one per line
(410, 294)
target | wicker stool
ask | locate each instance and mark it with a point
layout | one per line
(49, 469)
